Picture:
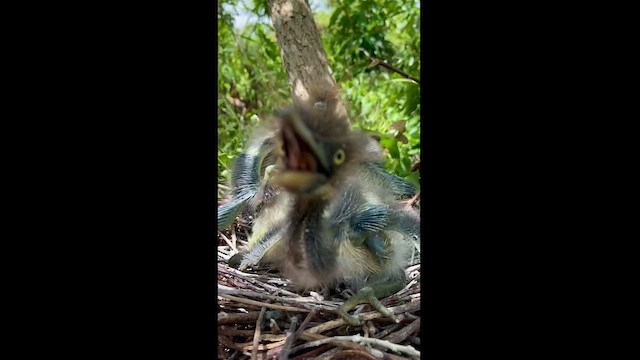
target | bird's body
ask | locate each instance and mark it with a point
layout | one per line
(335, 217)
(343, 236)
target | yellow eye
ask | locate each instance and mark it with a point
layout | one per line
(338, 157)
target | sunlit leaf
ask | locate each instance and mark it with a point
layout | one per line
(249, 57)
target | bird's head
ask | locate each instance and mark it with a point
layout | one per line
(319, 149)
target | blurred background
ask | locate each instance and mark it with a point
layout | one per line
(252, 82)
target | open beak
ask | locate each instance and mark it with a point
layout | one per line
(305, 163)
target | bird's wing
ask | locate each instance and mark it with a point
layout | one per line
(247, 182)
(399, 186)
(230, 210)
(260, 245)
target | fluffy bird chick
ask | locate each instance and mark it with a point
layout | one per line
(252, 171)
(249, 183)
(337, 219)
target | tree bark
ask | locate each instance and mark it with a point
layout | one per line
(303, 55)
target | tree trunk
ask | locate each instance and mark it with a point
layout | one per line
(303, 55)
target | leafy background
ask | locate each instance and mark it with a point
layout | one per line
(252, 81)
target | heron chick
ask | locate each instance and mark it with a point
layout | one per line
(336, 218)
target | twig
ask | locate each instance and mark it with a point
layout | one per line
(244, 224)
(411, 316)
(232, 331)
(343, 344)
(400, 294)
(376, 62)
(226, 239)
(322, 352)
(233, 239)
(353, 354)
(403, 333)
(393, 357)
(365, 329)
(371, 328)
(286, 348)
(364, 317)
(256, 335)
(259, 303)
(252, 278)
(224, 252)
(275, 329)
(404, 349)
(386, 331)
(241, 283)
(272, 353)
(300, 299)
(227, 331)
(261, 347)
(235, 318)
(411, 201)
(412, 268)
(305, 322)
(229, 270)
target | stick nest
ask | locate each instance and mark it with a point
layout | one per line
(262, 316)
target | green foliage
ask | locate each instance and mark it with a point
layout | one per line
(252, 79)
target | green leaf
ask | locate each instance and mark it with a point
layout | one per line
(336, 14)
(392, 146)
(414, 178)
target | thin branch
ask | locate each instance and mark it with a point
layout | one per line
(275, 329)
(410, 202)
(353, 354)
(261, 347)
(236, 318)
(322, 352)
(234, 239)
(343, 344)
(252, 278)
(363, 317)
(393, 357)
(376, 62)
(286, 348)
(256, 335)
(326, 305)
(226, 239)
(404, 349)
(385, 332)
(403, 333)
(259, 303)
(305, 322)
(227, 331)
(223, 253)
(240, 283)
(412, 268)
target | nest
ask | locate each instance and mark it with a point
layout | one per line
(262, 316)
